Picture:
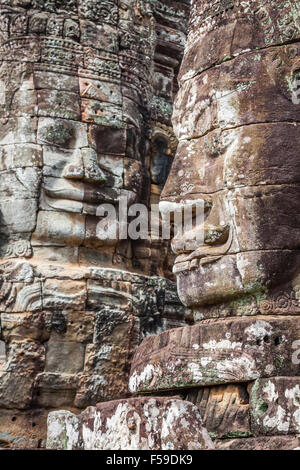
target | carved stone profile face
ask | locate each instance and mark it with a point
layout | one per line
(238, 127)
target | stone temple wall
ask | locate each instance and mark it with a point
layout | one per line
(228, 379)
(86, 92)
(236, 117)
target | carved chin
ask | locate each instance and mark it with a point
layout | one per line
(234, 275)
(70, 229)
(211, 283)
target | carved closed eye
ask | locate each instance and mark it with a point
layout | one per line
(58, 134)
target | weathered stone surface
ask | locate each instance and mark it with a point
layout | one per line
(134, 424)
(266, 95)
(237, 159)
(224, 30)
(21, 297)
(85, 89)
(53, 390)
(244, 291)
(22, 429)
(235, 116)
(64, 294)
(17, 326)
(25, 356)
(216, 352)
(83, 93)
(260, 443)
(64, 357)
(15, 390)
(86, 93)
(275, 406)
(224, 410)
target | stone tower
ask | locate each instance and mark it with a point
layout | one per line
(86, 90)
(236, 117)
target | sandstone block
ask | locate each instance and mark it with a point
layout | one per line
(21, 297)
(64, 357)
(18, 215)
(216, 352)
(59, 228)
(17, 326)
(59, 104)
(22, 429)
(134, 424)
(20, 156)
(25, 357)
(16, 271)
(15, 390)
(53, 390)
(53, 81)
(18, 131)
(275, 406)
(266, 95)
(21, 183)
(260, 443)
(236, 159)
(101, 91)
(223, 30)
(71, 324)
(63, 133)
(64, 294)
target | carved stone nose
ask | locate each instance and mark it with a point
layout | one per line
(85, 168)
(216, 235)
(212, 236)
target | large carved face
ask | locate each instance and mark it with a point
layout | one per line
(74, 122)
(238, 126)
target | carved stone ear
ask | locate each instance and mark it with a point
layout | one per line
(284, 70)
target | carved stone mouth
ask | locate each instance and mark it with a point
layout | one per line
(88, 195)
(203, 255)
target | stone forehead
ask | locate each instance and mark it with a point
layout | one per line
(222, 30)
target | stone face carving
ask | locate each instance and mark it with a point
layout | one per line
(236, 117)
(235, 121)
(84, 85)
(133, 424)
(86, 119)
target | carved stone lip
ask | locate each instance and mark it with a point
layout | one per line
(203, 255)
(89, 196)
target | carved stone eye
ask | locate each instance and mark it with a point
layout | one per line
(58, 134)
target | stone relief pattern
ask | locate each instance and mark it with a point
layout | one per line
(77, 81)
